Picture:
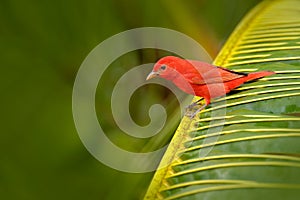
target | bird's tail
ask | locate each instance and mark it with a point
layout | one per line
(257, 75)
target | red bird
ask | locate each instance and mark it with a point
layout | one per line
(200, 78)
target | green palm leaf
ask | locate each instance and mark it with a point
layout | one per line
(246, 145)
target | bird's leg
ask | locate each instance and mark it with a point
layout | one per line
(192, 105)
(192, 115)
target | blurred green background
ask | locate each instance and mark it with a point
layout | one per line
(43, 43)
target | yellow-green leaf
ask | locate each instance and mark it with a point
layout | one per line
(245, 145)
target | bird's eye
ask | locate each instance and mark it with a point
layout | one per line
(163, 67)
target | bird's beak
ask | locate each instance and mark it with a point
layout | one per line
(152, 75)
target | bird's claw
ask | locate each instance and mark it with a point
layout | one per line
(189, 109)
(192, 105)
(191, 115)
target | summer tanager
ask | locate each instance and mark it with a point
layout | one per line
(200, 78)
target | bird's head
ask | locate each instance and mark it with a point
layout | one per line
(166, 67)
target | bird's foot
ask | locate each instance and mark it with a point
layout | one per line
(191, 111)
(192, 105)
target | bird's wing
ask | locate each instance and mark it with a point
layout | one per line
(212, 74)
